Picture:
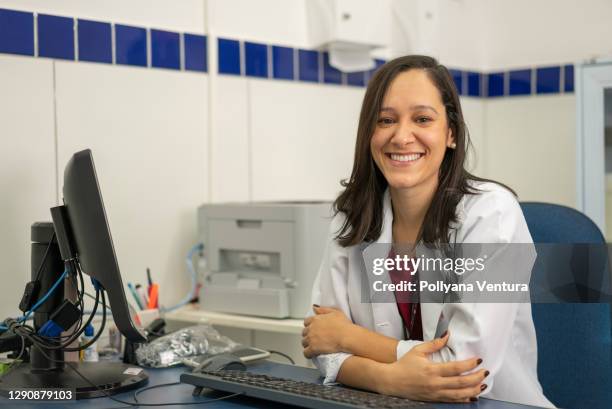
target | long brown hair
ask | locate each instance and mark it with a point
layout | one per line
(362, 198)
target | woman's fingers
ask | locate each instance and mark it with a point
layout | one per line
(434, 345)
(458, 395)
(462, 381)
(305, 331)
(308, 321)
(305, 342)
(323, 310)
(455, 368)
(308, 353)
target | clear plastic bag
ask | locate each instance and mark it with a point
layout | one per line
(171, 349)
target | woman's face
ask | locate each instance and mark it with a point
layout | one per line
(411, 133)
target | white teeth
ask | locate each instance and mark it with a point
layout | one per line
(406, 158)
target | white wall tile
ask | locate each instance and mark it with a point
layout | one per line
(525, 33)
(184, 15)
(303, 139)
(230, 143)
(27, 167)
(531, 146)
(147, 130)
(269, 21)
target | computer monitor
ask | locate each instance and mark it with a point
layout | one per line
(79, 239)
(91, 239)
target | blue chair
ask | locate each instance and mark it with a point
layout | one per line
(574, 339)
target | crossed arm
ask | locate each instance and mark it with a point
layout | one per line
(374, 364)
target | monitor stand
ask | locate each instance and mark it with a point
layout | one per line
(107, 378)
(45, 372)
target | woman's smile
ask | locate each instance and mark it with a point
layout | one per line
(404, 159)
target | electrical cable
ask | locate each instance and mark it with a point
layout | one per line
(42, 343)
(44, 298)
(284, 356)
(194, 279)
(96, 336)
(16, 359)
(52, 342)
(93, 298)
(163, 385)
(75, 279)
(55, 343)
(106, 394)
(65, 345)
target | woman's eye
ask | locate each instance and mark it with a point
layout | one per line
(423, 119)
(386, 121)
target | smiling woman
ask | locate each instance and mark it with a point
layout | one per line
(409, 186)
(411, 108)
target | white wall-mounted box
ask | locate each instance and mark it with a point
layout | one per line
(358, 22)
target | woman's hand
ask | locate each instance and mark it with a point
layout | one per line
(416, 377)
(325, 332)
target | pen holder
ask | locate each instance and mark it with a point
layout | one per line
(145, 317)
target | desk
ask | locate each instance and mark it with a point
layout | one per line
(182, 393)
(272, 334)
(192, 314)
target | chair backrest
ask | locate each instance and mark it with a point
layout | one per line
(574, 340)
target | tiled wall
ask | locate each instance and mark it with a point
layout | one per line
(67, 38)
(77, 39)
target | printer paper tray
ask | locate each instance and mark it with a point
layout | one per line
(262, 302)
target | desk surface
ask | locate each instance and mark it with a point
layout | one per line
(192, 313)
(182, 393)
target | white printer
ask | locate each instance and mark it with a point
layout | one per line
(262, 258)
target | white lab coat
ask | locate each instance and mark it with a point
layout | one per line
(502, 334)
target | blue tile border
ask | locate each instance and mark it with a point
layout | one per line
(283, 63)
(356, 79)
(95, 41)
(495, 84)
(16, 32)
(331, 75)
(520, 82)
(229, 56)
(57, 37)
(308, 65)
(196, 50)
(568, 78)
(130, 45)
(256, 60)
(548, 80)
(474, 84)
(165, 49)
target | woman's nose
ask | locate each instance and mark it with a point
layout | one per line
(403, 135)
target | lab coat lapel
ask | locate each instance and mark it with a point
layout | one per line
(433, 322)
(386, 318)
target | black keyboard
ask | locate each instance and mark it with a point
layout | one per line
(288, 391)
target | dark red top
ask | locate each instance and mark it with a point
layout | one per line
(409, 311)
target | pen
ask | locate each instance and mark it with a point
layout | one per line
(153, 296)
(149, 281)
(142, 294)
(135, 296)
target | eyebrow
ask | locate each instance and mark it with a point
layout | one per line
(413, 108)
